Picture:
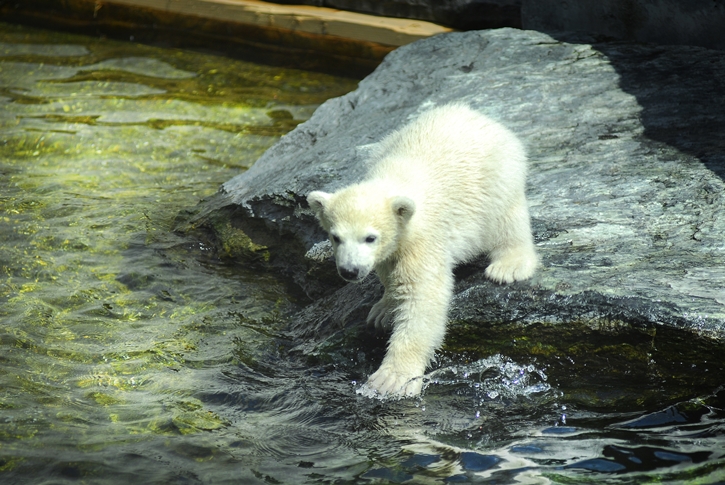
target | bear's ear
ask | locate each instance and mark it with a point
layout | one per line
(317, 201)
(403, 208)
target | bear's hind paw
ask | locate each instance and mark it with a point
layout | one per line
(381, 316)
(512, 267)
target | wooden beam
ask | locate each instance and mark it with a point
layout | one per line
(298, 18)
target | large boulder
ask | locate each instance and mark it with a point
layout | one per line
(627, 159)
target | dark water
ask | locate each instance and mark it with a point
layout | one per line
(130, 354)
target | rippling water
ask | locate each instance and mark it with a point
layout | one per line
(129, 353)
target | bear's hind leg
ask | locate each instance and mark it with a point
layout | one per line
(514, 257)
(381, 314)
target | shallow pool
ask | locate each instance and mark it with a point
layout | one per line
(131, 354)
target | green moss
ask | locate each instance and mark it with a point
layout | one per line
(236, 244)
(601, 364)
(8, 463)
(193, 422)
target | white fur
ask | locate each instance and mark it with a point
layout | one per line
(442, 190)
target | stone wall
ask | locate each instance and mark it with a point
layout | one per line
(692, 22)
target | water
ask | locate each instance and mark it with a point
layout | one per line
(132, 354)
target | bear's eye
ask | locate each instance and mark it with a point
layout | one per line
(370, 239)
(336, 239)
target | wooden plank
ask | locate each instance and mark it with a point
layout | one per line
(298, 18)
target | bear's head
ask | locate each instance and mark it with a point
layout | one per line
(364, 227)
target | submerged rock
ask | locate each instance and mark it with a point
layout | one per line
(627, 159)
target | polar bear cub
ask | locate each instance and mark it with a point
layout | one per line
(440, 191)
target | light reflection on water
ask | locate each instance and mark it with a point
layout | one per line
(129, 353)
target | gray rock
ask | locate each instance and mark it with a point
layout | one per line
(627, 159)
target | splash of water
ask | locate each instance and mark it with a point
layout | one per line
(495, 377)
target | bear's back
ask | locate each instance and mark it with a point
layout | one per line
(462, 169)
(451, 149)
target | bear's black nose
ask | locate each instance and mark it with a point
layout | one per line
(349, 273)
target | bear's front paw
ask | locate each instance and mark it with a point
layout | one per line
(389, 382)
(381, 315)
(512, 266)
